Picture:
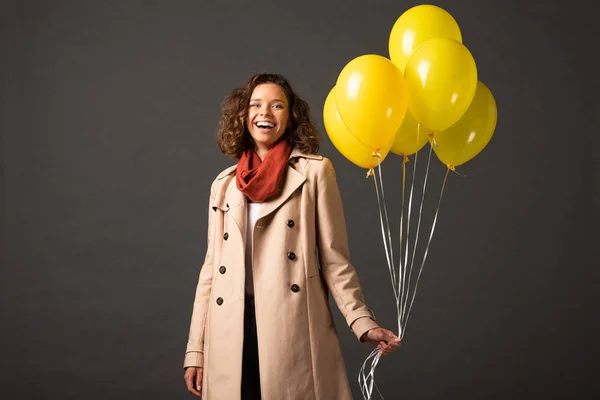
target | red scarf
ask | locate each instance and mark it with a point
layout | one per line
(259, 180)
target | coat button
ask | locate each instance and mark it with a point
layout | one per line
(295, 288)
(222, 269)
(292, 255)
(226, 236)
(220, 301)
(291, 223)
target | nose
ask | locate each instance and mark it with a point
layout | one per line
(265, 110)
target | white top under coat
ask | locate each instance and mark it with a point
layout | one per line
(253, 212)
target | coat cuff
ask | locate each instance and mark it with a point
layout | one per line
(362, 325)
(193, 359)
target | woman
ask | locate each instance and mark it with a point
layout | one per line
(277, 244)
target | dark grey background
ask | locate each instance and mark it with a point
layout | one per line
(108, 115)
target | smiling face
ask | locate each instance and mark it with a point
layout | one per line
(268, 116)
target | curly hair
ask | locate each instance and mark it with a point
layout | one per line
(233, 136)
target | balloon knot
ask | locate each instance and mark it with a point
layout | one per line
(433, 141)
(406, 159)
(376, 154)
(370, 172)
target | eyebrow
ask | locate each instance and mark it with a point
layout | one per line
(276, 100)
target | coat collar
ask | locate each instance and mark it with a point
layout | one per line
(298, 154)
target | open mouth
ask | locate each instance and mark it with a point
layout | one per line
(264, 125)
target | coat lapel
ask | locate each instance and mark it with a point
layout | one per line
(293, 180)
(237, 200)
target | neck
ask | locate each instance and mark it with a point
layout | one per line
(262, 152)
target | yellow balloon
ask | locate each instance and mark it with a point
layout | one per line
(441, 77)
(410, 138)
(415, 26)
(471, 134)
(344, 141)
(371, 99)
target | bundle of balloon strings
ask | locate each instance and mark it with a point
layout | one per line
(404, 283)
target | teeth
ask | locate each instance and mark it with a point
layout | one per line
(265, 125)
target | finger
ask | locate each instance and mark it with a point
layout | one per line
(382, 335)
(199, 382)
(383, 347)
(189, 380)
(391, 336)
(195, 392)
(386, 348)
(390, 350)
(394, 345)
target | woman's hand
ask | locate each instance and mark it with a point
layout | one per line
(193, 380)
(386, 341)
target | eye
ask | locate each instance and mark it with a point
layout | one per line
(254, 105)
(279, 106)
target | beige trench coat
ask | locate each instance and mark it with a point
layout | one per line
(299, 351)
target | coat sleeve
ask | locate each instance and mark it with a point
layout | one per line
(194, 354)
(334, 255)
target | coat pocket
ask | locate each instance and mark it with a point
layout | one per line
(319, 301)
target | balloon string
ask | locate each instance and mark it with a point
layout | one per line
(391, 247)
(366, 381)
(387, 222)
(401, 267)
(427, 248)
(453, 169)
(400, 285)
(385, 225)
(425, 179)
(406, 244)
(387, 255)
